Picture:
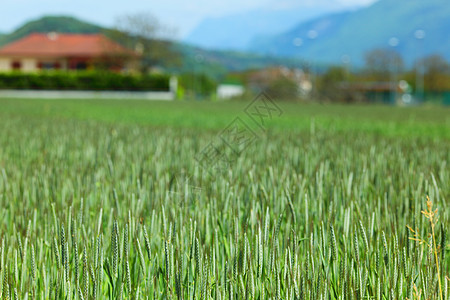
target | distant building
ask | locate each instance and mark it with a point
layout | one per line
(228, 91)
(264, 78)
(379, 92)
(40, 51)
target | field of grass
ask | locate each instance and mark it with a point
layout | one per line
(384, 120)
(105, 200)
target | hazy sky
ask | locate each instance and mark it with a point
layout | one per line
(183, 15)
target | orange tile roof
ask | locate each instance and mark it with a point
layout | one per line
(63, 45)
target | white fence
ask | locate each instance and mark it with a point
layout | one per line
(44, 94)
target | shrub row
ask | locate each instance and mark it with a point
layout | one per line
(84, 81)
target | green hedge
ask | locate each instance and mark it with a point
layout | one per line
(84, 81)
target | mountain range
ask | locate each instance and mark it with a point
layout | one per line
(236, 31)
(415, 28)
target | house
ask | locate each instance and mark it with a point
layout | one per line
(40, 51)
(382, 92)
(264, 78)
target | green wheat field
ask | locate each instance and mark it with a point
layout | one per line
(106, 199)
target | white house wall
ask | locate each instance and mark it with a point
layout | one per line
(64, 64)
(29, 64)
(5, 64)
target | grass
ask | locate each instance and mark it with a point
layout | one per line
(104, 200)
(433, 121)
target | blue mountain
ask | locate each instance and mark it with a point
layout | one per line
(236, 31)
(415, 28)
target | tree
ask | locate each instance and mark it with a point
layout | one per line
(436, 72)
(382, 62)
(197, 85)
(329, 83)
(284, 88)
(144, 33)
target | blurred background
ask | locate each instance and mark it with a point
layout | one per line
(385, 51)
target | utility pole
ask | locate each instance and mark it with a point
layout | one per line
(393, 42)
(419, 35)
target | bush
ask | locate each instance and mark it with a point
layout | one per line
(284, 88)
(84, 81)
(197, 85)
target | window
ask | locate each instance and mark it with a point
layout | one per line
(77, 64)
(81, 66)
(16, 65)
(44, 65)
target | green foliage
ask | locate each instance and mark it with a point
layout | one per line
(381, 63)
(218, 64)
(329, 84)
(99, 209)
(197, 84)
(436, 71)
(63, 24)
(88, 80)
(144, 33)
(284, 88)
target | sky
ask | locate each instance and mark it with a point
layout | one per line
(181, 15)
